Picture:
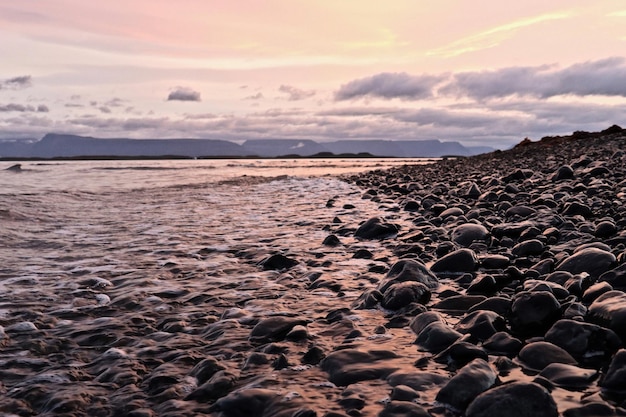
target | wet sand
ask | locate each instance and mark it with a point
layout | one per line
(442, 290)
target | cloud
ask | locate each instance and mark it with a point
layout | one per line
(13, 107)
(116, 102)
(257, 96)
(296, 94)
(498, 107)
(605, 77)
(16, 83)
(493, 37)
(389, 85)
(183, 94)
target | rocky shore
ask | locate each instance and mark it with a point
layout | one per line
(486, 286)
(525, 252)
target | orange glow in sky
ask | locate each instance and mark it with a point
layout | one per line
(482, 72)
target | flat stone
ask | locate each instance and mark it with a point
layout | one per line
(462, 260)
(515, 399)
(593, 261)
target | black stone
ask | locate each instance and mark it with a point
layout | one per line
(462, 260)
(515, 399)
(376, 228)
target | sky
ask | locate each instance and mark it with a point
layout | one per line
(482, 72)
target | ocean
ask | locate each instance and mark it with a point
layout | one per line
(111, 271)
(121, 176)
(86, 217)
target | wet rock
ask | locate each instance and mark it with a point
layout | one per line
(568, 376)
(451, 212)
(544, 266)
(481, 324)
(535, 285)
(494, 261)
(616, 277)
(332, 241)
(249, 402)
(408, 270)
(499, 305)
(313, 356)
(515, 399)
(532, 313)
(520, 211)
(483, 284)
(436, 337)
(593, 409)
(403, 393)
(376, 228)
(473, 379)
(278, 262)
(532, 247)
(575, 208)
(205, 369)
(605, 229)
(615, 377)
(420, 381)
(565, 172)
(403, 409)
(610, 308)
(537, 355)
(368, 299)
(349, 366)
(420, 321)
(411, 205)
(468, 233)
(297, 333)
(511, 230)
(459, 302)
(363, 254)
(402, 294)
(219, 385)
(273, 329)
(460, 353)
(462, 260)
(593, 261)
(583, 340)
(502, 343)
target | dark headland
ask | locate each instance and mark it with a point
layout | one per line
(62, 146)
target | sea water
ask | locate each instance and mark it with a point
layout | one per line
(63, 219)
(121, 176)
(160, 260)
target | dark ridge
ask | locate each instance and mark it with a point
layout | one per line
(614, 130)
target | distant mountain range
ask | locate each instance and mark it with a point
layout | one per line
(55, 145)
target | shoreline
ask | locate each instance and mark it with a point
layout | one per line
(433, 290)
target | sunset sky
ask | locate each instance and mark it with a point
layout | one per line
(481, 72)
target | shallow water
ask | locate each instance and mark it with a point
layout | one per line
(118, 278)
(159, 261)
(104, 176)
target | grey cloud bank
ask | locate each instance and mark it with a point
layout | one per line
(496, 108)
(13, 107)
(605, 77)
(391, 85)
(16, 83)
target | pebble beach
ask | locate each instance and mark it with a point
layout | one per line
(491, 285)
